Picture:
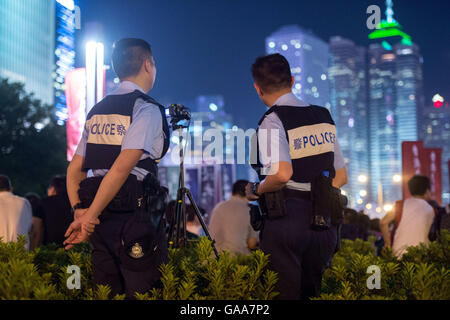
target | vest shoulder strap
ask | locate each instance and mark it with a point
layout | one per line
(165, 124)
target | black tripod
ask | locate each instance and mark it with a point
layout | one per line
(177, 231)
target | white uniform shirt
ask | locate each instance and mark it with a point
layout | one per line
(279, 142)
(414, 226)
(145, 131)
(15, 217)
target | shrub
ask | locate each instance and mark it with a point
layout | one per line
(422, 273)
(191, 273)
(195, 273)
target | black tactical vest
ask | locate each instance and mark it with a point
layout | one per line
(107, 123)
(311, 134)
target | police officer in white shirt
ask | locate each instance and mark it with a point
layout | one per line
(125, 135)
(297, 145)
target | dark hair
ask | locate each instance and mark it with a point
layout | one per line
(272, 72)
(128, 56)
(239, 188)
(418, 185)
(5, 183)
(59, 183)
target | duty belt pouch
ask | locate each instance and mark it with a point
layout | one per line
(126, 199)
(322, 203)
(275, 204)
(155, 198)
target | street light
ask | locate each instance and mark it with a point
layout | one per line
(368, 206)
(362, 178)
(363, 193)
(387, 207)
(397, 178)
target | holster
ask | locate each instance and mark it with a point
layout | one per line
(328, 203)
(155, 198)
(128, 198)
(272, 205)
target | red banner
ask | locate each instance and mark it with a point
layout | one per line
(433, 170)
(413, 162)
(75, 82)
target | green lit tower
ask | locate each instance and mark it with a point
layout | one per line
(395, 99)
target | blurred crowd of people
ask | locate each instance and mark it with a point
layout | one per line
(411, 222)
(40, 220)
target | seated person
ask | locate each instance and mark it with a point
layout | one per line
(230, 223)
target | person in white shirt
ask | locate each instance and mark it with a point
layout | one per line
(416, 218)
(15, 213)
(230, 223)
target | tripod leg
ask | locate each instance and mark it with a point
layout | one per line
(200, 218)
(176, 226)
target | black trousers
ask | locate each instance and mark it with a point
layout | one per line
(298, 254)
(113, 261)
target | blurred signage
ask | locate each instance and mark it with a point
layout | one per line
(413, 163)
(433, 170)
(75, 82)
(419, 160)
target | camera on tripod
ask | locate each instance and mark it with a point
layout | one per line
(177, 113)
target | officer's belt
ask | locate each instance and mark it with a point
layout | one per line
(300, 186)
(128, 198)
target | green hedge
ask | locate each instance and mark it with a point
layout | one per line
(423, 273)
(195, 273)
(192, 273)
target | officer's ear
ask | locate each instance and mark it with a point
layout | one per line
(148, 65)
(292, 81)
(258, 90)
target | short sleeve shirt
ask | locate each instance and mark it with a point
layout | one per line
(145, 131)
(276, 138)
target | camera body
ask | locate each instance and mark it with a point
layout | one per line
(178, 112)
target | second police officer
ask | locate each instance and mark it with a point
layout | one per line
(297, 148)
(125, 134)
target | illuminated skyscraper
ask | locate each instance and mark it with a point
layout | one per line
(395, 98)
(27, 45)
(308, 57)
(64, 52)
(37, 47)
(348, 94)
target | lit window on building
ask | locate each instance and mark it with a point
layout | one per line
(323, 76)
(284, 47)
(298, 86)
(271, 44)
(309, 79)
(351, 122)
(343, 102)
(411, 97)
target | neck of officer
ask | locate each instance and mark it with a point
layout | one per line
(271, 98)
(139, 81)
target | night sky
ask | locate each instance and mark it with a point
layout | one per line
(208, 46)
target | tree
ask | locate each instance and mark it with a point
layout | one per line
(32, 144)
